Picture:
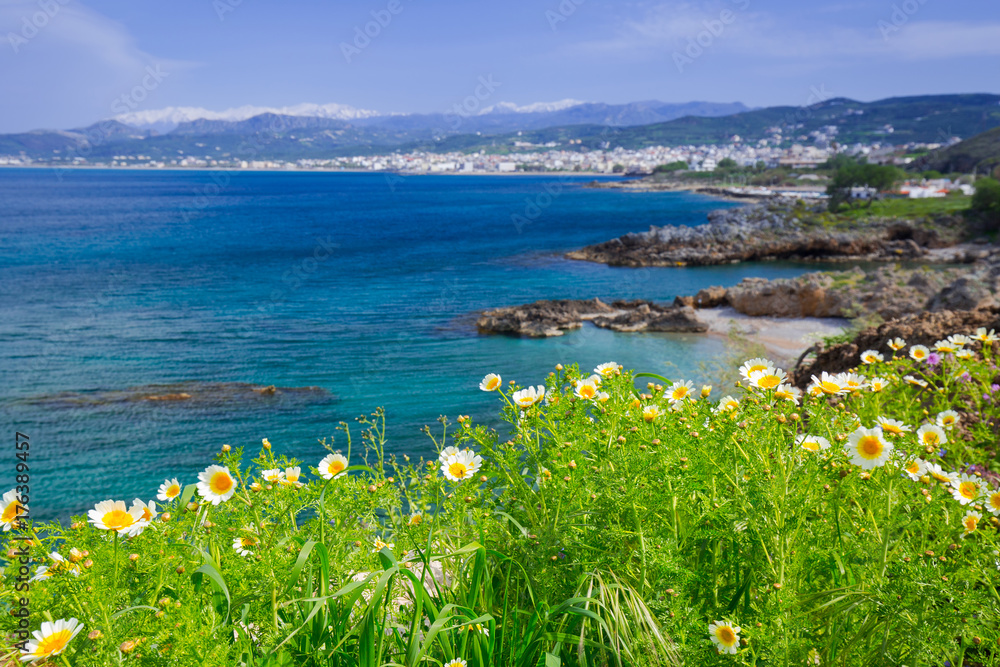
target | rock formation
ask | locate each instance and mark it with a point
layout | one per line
(553, 318)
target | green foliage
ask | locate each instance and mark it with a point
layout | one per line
(726, 164)
(986, 200)
(606, 522)
(678, 165)
(849, 175)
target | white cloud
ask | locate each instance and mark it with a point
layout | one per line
(933, 40)
(70, 63)
(671, 27)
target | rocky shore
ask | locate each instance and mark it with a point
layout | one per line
(775, 230)
(554, 318)
(923, 328)
(788, 315)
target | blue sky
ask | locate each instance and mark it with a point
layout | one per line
(430, 54)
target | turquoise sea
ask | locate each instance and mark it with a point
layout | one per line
(362, 288)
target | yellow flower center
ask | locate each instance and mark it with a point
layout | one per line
(680, 393)
(891, 428)
(994, 501)
(829, 387)
(769, 382)
(492, 383)
(948, 421)
(248, 541)
(54, 643)
(970, 523)
(870, 447)
(173, 491)
(811, 445)
(913, 468)
(930, 438)
(117, 519)
(968, 490)
(919, 354)
(586, 391)
(220, 483)
(146, 514)
(458, 470)
(335, 467)
(11, 512)
(940, 477)
(754, 369)
(725, 635)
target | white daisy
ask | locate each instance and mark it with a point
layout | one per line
(753, 365)
(51, 639)
(491, 382)
(947, 419)
(967, 489)
(527, 397)
(243, 545)
(931, 435)
(607, 370)
(867, 448)
(680, 390)
(871, 356)
(11, 509)
(169, 490)
(461, 466)
(332, 465)
(916, 469)
(812, 443)
(113, 515)
(216, 484)
(587, 390)
(725, 636)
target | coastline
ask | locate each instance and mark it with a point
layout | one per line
(402, 174)
(782, 337)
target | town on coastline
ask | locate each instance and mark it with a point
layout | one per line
(807, 151)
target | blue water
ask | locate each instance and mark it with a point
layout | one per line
(360, 285)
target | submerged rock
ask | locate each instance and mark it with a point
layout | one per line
(193, 394)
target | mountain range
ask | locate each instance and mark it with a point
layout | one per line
(472, 117)
(298, 132)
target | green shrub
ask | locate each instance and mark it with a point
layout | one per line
(608, 518)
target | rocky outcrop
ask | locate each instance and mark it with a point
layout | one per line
(554, 318)
(887, 291)
(770, 231)
(923, 328)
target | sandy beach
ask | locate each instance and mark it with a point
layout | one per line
(786, 338)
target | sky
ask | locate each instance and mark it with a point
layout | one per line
(69, 63)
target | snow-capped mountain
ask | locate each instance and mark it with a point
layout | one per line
(537, 107)
(164, 120)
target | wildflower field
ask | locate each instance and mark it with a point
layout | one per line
(615, 518)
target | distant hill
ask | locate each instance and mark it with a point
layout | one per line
(900, 120)
(979, 153)
(925, 119)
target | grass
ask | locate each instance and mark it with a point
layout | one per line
(911, 208)
(619, 519)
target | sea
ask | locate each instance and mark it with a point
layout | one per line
(145, 313)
